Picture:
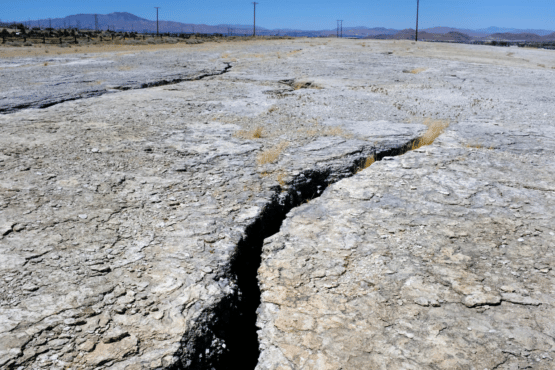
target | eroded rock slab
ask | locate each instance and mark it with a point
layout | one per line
(441, 258)
(429, 260)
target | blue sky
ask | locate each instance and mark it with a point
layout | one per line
(306, 14)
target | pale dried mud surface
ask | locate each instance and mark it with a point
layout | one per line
(128, 219)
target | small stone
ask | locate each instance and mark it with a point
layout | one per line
(6, 227)
(421, 301)
(101, 268)
(30, 287)
(94, 150)
(87, 346)
(83, 216)
(114, 335)
(120, 310)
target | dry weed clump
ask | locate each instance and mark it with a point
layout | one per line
(318, 130)
(99, 82)
(417, 70)
(474, 145)
(479, 146)
(435, 128)
(255, 133)
(281, 177)
(367, 163)
(272, 154)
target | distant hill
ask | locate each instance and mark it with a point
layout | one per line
(492, 30)
(515, 36)
(123, 21)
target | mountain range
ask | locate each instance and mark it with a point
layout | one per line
(123, 21)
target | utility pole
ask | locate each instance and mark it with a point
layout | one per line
(157, 7)
(254, 27)
(417, 6)
(96, 22)
(339, 27)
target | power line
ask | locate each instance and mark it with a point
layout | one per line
(254, 26)
(417, 6)
(157, 7)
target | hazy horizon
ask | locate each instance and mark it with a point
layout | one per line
(309, 14)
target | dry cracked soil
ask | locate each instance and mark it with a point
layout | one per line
(278, 204)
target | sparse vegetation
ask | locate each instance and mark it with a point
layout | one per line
(317, 130)
(255, 133)
(281, 177)
(474, 145)
(416, 71)
(367, 163)
(272, 154)
(435, 128)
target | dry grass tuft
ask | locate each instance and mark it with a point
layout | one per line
(45, 64)
(435, 128)
(281, 177)
(367, 163)
(417, 70)
(335, 131)
(256, 133)
(271, 155)
(125, 68)
(474, 145)
(318, 130)
(479, 146)
(99, 82)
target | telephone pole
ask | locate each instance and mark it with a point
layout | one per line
(157, 7)
(339, 27)
(96, 22)
(417, 6)
(254, 27)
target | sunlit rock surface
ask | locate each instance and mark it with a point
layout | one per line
(121, 214)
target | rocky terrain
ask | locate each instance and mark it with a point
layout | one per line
(132, 222)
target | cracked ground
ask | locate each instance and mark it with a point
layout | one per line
(121, 212)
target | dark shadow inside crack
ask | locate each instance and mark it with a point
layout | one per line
(227, 338)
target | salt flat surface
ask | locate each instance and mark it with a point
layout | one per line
(123, 215)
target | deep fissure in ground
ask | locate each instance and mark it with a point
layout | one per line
(234, 320)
